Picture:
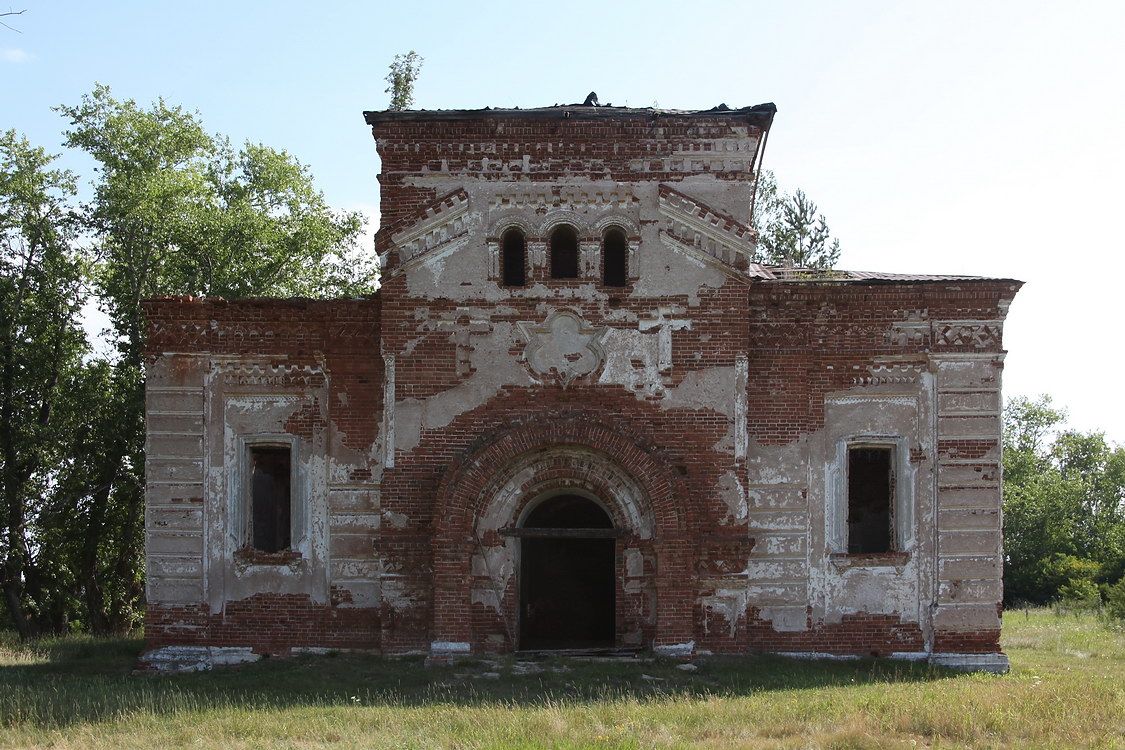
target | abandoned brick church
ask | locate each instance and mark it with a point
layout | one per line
(579, 414)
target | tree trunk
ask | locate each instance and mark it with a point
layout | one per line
(14, 512)
(120, 429)
(95, 529)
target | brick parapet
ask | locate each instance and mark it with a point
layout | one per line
(628, 148)
(261, 325)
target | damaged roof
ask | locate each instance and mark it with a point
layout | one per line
(793, 273)
(758, 114)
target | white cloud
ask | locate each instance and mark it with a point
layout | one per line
(14, 55)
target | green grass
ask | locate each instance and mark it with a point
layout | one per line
(1067, 689)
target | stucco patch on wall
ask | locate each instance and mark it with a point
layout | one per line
(733, 495)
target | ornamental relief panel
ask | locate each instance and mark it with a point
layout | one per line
(917, 330)
(906, 373)
(564, 347)
(980, 334)
(259, 374)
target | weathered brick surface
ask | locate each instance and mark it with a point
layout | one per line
(269, 624)
(667, 149)
(861, 634)
(703, 406)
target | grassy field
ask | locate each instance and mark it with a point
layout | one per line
(1066, 689)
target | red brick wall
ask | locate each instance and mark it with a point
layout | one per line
(625, 148)
(342, 335)
(267, 623)
(803, 341)
(860, 634)
(806, 340)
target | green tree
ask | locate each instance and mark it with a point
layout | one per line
(1094, 472)
(1115, 601)
(41, 349)
(1064, 504)
(177, 211)
(404, 70)
(1029, 427)
(791, 229)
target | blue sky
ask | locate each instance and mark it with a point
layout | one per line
(963, 137)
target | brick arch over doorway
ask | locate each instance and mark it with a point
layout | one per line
(486, 493)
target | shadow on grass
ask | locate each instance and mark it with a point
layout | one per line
(62, 682)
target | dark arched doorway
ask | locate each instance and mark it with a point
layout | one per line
(567, 582)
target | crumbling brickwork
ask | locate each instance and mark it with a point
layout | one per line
(707, 406)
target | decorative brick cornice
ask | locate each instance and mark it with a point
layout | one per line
(437, 224)
(695, 226)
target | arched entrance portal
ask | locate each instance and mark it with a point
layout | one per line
(491, 494)
(567, 582)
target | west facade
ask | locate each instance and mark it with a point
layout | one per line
(578, 414)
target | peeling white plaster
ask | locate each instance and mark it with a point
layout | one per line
(733, 494)
(709, 389)
(634, 563)
(664, 322)
(396, 520)
(792, 619)
(631, 361)
(675, 650)
(389, 407)
(778, 464)
(342, 457)
(497, 564)
(728, 604)
(180, 659)
(251, 401)
(493, 369)
(741, 438)
(395, 593)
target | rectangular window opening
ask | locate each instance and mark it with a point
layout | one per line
(870, 499)
(270, 498)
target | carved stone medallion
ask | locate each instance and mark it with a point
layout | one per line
(563, 347)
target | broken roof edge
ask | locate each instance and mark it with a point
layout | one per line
(760, 115)
(790, 275)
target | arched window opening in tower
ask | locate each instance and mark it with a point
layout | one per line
(514, 258)
(615, 254)
(564, 253)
